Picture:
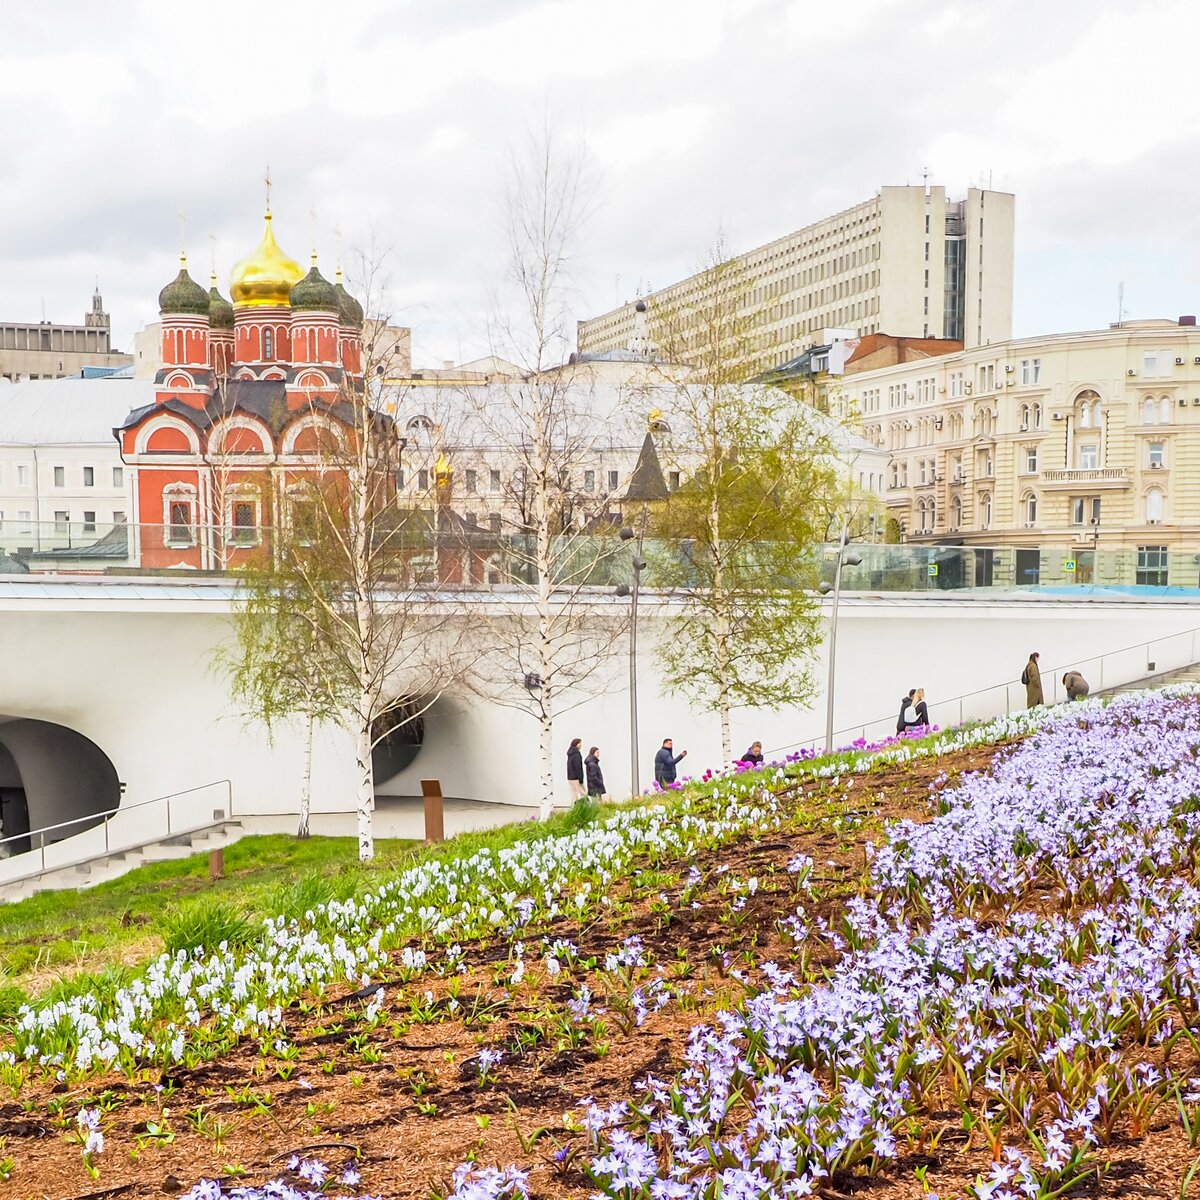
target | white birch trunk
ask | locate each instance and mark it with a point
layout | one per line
(721, 635)
(306, 779)
(366, 790)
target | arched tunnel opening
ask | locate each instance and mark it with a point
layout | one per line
(50, 775)
(403, 730)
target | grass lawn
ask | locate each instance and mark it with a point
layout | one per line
(54, 938)
(57, 935)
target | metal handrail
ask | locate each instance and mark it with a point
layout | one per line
(106, 816)
(1051, 672)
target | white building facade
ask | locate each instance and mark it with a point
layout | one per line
(61, 475)
(908, 262)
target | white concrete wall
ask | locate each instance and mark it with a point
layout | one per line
(134, 676)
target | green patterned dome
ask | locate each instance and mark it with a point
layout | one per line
(220, 311)
(183, 295)
(349, 309)
(314, 291)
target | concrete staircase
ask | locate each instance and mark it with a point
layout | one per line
(1189, 674)
(101, 869)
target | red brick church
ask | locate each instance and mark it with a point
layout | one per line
(244, 396)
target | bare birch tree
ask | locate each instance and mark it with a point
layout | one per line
(344, 574)
(744, 526)
(542, 431)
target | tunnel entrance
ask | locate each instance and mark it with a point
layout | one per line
(403, 735)
(50, 775)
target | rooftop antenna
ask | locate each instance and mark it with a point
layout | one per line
(1120, 303)
(925, 177)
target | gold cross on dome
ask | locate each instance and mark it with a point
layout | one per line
(182, 236)
(267, 181)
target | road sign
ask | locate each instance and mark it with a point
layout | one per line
(1069, 565)
(932, 569)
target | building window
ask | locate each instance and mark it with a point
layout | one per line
(89, 476)
(987, 377)
(1154, 507)
(1030, 510)
(1164, 411)
(118, 477)
(422, 480)
(60, 477)
(1031, 370)
(1157, 455)
(1089, 456)
(119, 517)
(22, 476)
(61, 521)
(268, 344)
(1152, 364)
(242, 515)
(1149, 411)
(673, 480)
(24, 519)
(1024, 415)
(1085, 510)
(180, 521)
(399, 478)
(494, 522)
(614, 479)
(985, 511)
(956, 384)
(472, 481)
(1037, 416)
(1152, 566)
(89, 520)
(589, 481)
(1031, 455)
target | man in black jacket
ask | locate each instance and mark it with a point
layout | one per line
(664, 763)
(575, 769)
(905, 701)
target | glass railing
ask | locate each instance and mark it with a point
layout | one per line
(479, 557)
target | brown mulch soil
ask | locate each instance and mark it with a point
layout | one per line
(406, 1095)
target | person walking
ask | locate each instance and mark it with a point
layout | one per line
(665, 761)
(1031, 677)
(754, 755)
(1076, 685)
(595, 777)
(906, 702)
(575, 769)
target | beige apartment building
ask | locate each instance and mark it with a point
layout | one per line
(1084, 440)
(46, 351)
(907, 262)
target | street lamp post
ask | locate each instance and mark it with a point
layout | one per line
(850, 558)
(624, 589)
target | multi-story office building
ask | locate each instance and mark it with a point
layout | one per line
(908, 262)
(45, 351)
(1081, 439)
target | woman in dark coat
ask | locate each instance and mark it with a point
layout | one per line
(595, 777)
(575, 769)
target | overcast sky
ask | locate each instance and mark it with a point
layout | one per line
(753, 116)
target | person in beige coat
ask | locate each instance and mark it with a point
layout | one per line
(1031, 677)
(1076, 685)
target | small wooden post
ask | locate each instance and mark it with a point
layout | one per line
(435, 825)
(216, 864)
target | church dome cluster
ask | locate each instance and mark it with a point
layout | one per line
(281, 323)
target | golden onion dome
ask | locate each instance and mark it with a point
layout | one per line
(265, 277)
